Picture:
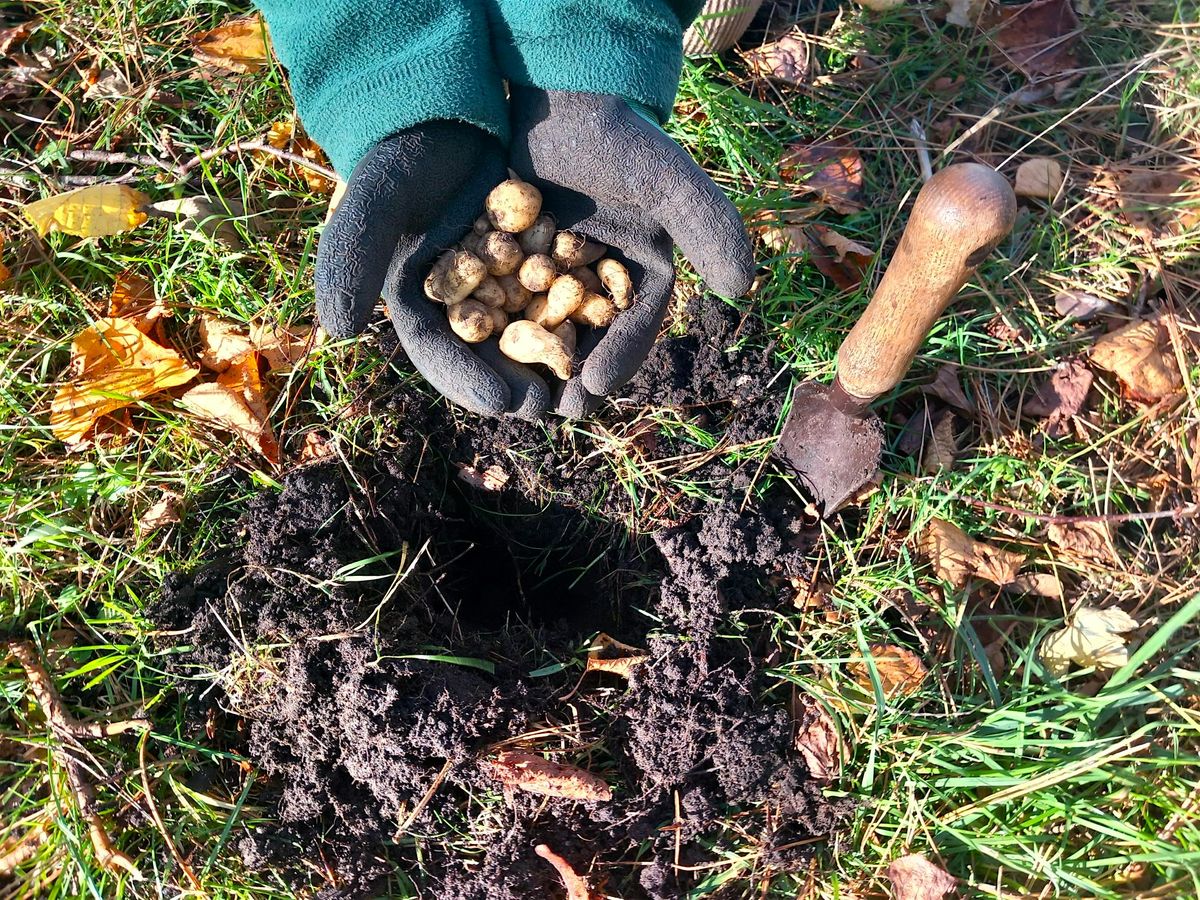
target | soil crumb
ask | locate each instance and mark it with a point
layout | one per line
(379, 628)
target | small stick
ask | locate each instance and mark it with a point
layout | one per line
(255, 146)
(922, 145)
(1187, 511)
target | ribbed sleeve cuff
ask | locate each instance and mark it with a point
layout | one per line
(592, 48)
(362, 71)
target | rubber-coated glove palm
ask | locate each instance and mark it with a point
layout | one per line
(607, 173)
(412, 196)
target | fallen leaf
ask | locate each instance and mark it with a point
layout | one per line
(831, 169)
(900, 670)
(236, 402)
(916, 432)
(607, 654)
(1153, 199)
(15, 34)
(947, 386)
(1038, 38)
(1141, 356)
(493, 478)
(1043, 584)
(942, 449)
(163, 512)
(133, 298)
(316, 447)
(1063, 395)
(109, 84)
(1081, 305)
(787, 59)
(239, 45)
(1039, 178)
(222, 343)
(1091, 540)
(282, 346)
(200, 215)
(576, 885)
(284, 136)
(957, 557)
(113, 365)
(94, 211)
(5, 272)
(914, 877)
(792, 237)
(1093, 639)
(964, 13)
(16, 851)
(817, 739)
(538, 775)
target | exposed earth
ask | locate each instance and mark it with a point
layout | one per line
(369, 696)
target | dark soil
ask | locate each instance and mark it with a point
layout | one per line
(357, 731)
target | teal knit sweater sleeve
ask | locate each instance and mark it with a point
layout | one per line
(630, 48)
(364, 69)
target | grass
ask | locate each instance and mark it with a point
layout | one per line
(1018, 783)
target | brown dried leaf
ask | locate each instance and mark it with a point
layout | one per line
(222, 343)
(1063, 395)
(538, 775)
(1043, 584)
(1090, 540)
(239, 45)
(914, 877)
(163, 512)
(1081, 305)
(236, 402)
(1153, 199)
(957, 557)
(900, 670)
(133, 299)
(838, 258)
(15, 34)
(942, 449)
(576, 885)
(787, 59)
(832, 169)
(282, 346)
(817, 739)
(94, 211)
(5, 272)
(1141, 356)
(493, 478)
(947, 386)
(612, 656)
(1039, 179)
(316, 447)
(113, 365)
(1038, 38)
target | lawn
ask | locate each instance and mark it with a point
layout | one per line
(1018, 780)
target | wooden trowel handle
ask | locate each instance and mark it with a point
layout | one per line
(960, 216)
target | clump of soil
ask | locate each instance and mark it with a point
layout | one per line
(378, 630)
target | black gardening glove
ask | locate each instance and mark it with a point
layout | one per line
(607, 173)
(412, 196)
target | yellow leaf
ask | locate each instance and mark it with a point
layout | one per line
(957, 557)
(222, 343)
(236, 402)
(94, 211)
(133, 299)
(900, 671)
(1093, 640)
(112, 366)
(240, 45)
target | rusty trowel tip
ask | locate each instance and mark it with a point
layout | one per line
(833, 452)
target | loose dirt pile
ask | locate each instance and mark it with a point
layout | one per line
(380, 629)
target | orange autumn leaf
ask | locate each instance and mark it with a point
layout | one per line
(133, 299)
(239, 45)
(283, 136)
(607, 654)
(236, 402)
(900, 670)
(5, 272)
(576, 884)
(538, 775)
(832, 169)
(113, 365)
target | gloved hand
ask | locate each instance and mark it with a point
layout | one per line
(413, 195)
(607, 173)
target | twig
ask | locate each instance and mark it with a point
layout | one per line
(255, 147)
(1187, 511)
(922, 145)
(416, 811)
(66, 727)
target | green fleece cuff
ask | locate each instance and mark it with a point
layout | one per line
(630, 48)
(362, 71)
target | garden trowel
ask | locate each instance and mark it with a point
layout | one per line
(831, 439)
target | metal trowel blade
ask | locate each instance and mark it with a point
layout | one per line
(832, 452)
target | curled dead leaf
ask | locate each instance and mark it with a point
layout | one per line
(284, 136)
(283, 346)
(914, 877)
(1090, 540)
(1038, 37)
(94, 211)
(900, 670)
(236, 402)
(942, 449)
(947, 386)
(493, 478)
(817, 740)
(163, 512)
(113, 365)
(1062, 396)
(133, 299)
(831, 169)
(222, 343)
(316, 448)
(1141, 355)
(538, 775)
(15, 34)
(607, 654)
(957, 557)
(1081, 305)
(239, 45)
(1093, 639)
(787, 59)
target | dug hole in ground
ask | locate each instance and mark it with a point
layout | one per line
(374, 698)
